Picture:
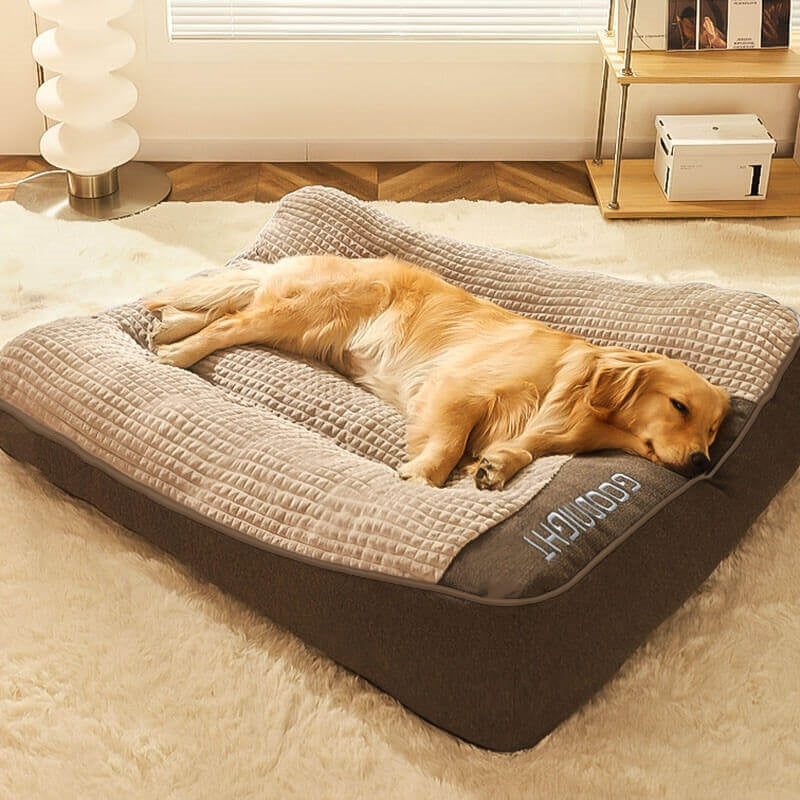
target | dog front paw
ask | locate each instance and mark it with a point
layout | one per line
(498, 465)
(412, 472)
(489, 476)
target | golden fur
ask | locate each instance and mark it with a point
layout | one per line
(479, 385)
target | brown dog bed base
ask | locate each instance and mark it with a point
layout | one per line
(493, 615)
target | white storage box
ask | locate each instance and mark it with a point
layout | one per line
(717, 157)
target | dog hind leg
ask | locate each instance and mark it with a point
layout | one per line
(315, 321)
(187, 307)
(228, 331)
(171, 324)
(220, 293)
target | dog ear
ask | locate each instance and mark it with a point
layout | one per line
(618, 380)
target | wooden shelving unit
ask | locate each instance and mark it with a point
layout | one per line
(627, 188)
(640, 196)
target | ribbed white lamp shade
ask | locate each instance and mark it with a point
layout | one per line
(86, 98)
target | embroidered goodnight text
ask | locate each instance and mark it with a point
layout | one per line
(565, 524)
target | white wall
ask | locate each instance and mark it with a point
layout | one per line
(256, 101)
(21, 124)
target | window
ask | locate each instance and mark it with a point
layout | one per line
(406, 20)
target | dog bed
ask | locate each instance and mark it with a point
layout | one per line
(491, 614)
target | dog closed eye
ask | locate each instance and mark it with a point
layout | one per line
(680, 406)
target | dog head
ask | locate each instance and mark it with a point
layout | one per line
(673, 411)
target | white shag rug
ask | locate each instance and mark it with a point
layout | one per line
(121, 675)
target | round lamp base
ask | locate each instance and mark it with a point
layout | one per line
(140, 186)
(93, 186)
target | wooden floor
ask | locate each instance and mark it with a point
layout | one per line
(526, 181)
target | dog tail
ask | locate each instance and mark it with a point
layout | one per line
(222, 293)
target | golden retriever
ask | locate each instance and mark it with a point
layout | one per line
(480, 386)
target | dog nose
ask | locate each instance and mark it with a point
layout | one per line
(700, 462)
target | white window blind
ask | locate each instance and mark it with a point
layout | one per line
(526, 20)
(529, 20)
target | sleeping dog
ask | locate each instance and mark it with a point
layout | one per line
(480, 387)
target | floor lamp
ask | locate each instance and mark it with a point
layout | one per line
(90, 142)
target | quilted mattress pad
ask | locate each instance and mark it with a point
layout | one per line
(274, 464)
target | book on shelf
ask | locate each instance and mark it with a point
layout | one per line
(727, 24)
(705, 24)
(648, 25)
